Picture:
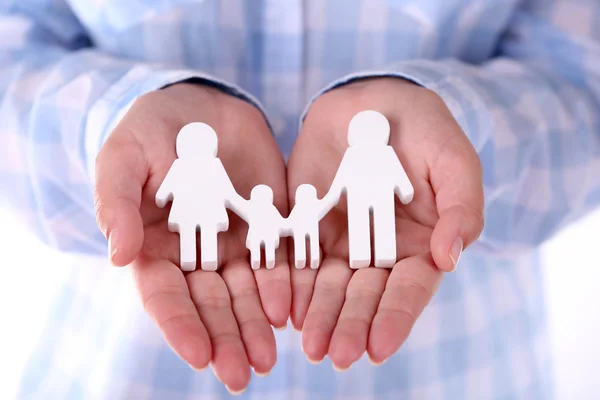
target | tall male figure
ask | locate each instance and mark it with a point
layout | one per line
(370, 174)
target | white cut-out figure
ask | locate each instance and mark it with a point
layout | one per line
(303, 225)
(265, 226)
(200, 189)
(370, 174)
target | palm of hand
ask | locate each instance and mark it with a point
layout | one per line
(220, 317)
(344, 312)
(224, 317)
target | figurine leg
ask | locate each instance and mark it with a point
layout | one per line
(255, 255)
(209, 249)
(270, 255)
(384, 233)
(359, 236)
(315, 257)
(300, 251)
(187, 248)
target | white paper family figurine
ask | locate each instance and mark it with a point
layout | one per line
(370, 175)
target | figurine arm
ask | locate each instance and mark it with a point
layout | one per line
(238, 205)
(285, 226)
(325, 205)
(403, 188)
(164, 194)
(335, 190)
(233, 200)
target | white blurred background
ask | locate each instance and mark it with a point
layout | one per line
(573, 273)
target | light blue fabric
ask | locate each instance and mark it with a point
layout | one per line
(521, 77)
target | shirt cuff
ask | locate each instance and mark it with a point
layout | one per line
(108, 110)
(442, 77)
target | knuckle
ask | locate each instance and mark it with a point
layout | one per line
(461, 151)
(475, 218)
(363, 295)
(107, 207)
(103, 157)
(99, 206)
(157, 296)
(213, 302)
(275, 284)
(220, 338)
(402, 314)
(177, 319)
(414, 291)
(251, 322)
(331, 290)
(245, 295)
(319, 320)
(352, 326)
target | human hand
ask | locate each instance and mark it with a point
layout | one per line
(344, 312)
(219, 317)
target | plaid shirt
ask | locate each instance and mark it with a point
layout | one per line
(521, 77)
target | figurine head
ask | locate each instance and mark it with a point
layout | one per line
(196, 140)
(262, 193)
(369, 128)
(305, 193)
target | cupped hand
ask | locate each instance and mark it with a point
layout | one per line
(223, 318)
(344, 312)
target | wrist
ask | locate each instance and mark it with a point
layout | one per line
(231, 105)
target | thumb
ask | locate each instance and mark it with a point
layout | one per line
(457, 182)
(121, 171)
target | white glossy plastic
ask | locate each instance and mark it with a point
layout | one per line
(265, 226)
(303, 225)
(200, 190)
(370, 175)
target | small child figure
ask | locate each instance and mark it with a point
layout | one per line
(265, 226)
(303, 224)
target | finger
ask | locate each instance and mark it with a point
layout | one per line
(267, 167)
(409, 288)
(256, 332)
(303, 281)
(314, 160)
(121, 171)
(349, 340)
(229, 361)
(274, 288)
(456, 179)
(325, 306)
(166, 298)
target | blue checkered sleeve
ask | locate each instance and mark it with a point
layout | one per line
(521, 78)
(533, 115)
(59, 98)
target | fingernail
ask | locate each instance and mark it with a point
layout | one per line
(456, 252)
(314, 362)
(199, 369)
(234, 393)
(281, 328)
(112, 245)
(338, 369)
(310, 360)
(214, 370)
(262, 374)
(377, 363)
